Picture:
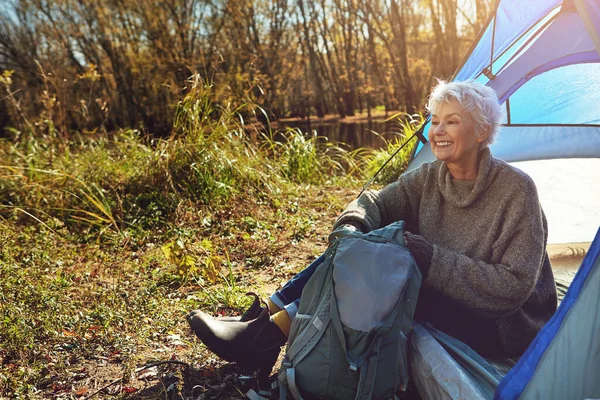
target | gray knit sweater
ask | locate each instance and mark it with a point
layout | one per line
(490, 283)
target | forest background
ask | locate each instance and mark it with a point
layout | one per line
(109, 64)
(146, 168)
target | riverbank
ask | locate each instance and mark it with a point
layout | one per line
(335, 118)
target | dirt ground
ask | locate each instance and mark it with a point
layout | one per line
(204, 376)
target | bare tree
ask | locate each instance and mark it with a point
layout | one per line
(104, 64)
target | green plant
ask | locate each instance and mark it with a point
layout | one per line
(370, 160)
(300, 156)
(305, 160)
(227, 294)
(96, 208)
(212, 157)
(178, 254)
(88, 202)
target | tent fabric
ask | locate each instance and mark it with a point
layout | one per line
(563, 362)
(542, 59)
(512, 19)
(551, 50)
(443, 367)
(590, 12)
(569, 101)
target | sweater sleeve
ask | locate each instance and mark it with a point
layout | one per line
(497, 289)
(397, 201)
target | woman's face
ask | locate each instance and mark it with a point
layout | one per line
(452, 136)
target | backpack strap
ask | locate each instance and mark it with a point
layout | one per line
(368, 373)
(303, 344)
(252, 395)
(312, 333)
(290, 374)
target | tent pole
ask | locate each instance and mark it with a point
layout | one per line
(589, 24)
(476, 41)
(418, 133)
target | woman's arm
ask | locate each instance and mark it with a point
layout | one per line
(397, 201)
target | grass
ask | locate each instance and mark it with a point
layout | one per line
(69, 302)
(371, 160)
(108, 240)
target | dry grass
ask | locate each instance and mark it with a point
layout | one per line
(78, 316)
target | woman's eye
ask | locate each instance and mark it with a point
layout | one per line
(435, 123)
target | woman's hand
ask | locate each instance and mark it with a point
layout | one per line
(422, 251)
(347, 227)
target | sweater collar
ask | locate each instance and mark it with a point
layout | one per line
(461, 193)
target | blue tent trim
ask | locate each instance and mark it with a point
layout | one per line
(515, 382)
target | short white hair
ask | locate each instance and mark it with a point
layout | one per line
(479, 101)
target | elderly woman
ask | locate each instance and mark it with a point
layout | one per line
(474, 225)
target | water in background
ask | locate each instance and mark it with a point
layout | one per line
(355, 134)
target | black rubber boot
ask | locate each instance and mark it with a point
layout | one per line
(254, 345)
(251, 313)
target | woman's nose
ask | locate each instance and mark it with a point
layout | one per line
(435, 130)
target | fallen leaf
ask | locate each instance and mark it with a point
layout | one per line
(81, 392)
(115, 353)
(59, 387)
(175, 340)
(129, 389)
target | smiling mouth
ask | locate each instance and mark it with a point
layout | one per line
(442, 144)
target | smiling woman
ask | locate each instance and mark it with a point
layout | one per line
(474, 226)
(465, 119)
(453, 140)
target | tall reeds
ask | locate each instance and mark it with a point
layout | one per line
(221, 149)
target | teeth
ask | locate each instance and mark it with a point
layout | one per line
(443, 143)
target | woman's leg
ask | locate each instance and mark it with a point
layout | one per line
(283, 304)
(254, 343)
(292, 290)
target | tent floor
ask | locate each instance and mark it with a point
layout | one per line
(566, 259)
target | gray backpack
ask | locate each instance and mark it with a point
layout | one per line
(349, 338)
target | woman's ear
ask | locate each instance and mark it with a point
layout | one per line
(482, 137)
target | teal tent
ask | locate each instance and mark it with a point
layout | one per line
(542, 57)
